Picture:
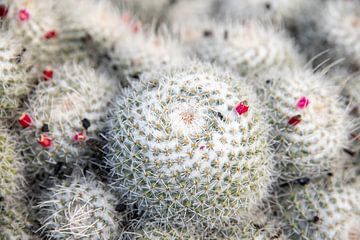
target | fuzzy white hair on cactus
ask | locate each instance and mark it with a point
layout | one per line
(340, 25)
(248, 49)
(184, 143)
(80, 207)
(311, 123)
(63, 113)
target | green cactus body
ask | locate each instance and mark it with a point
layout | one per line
(247, 49)
(179, 149)
(79, 208)
(311, 124)
(66, 116)
(323, 212)
(15, 81)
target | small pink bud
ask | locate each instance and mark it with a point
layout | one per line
(45, 141)
(303, 102)
(295, 120)
(80, 137)
(25, 120)
(24, 15)
(242, 108)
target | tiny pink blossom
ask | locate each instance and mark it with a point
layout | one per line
(303, 102)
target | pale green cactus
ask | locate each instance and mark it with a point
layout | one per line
(65, 115)
(311, 123)
(185, 144)
(79, 208)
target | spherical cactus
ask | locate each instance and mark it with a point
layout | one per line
(311, 124)
(45, 31)
(340, 25)
(79, 208)
(318, 211)
(16, 80)
(13, 222)
(248, 49)
(64, 116)
(184, 144)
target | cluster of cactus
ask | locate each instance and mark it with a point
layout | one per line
(187, 119)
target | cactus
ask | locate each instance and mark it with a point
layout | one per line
(247, 49)
(79, 208)
(339, 24)
(321, 211)
(311, 124)
(13, 219)
(65, 115)
(184, 144)
(16, 82)
(45, 31)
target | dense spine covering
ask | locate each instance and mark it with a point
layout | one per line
(184, 144)
(259, 227)
(16, 81)
(79, 208)
(248, 49)
(311, 123)
(65, 115)
(321, 210)
(13, 215)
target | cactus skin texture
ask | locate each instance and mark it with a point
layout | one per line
(340, 26)
(178, 149)
(248, 49)
(69, 109)
(321, 210)
(259, 227)
(15, 81)
(79, 208)
(13, 222)
(46, 32)
(311, 124)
